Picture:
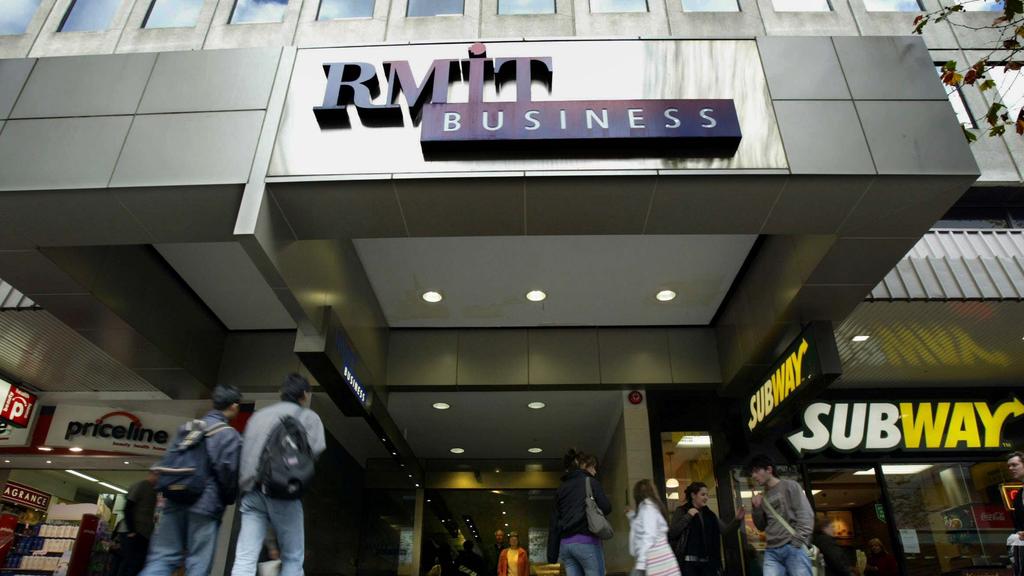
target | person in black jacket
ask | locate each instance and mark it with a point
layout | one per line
(1015, 466)
(468, 563)
(836, 563)
(695, 533)
(570, 542)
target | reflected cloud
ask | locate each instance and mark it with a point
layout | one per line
(174, 14)
(259, 11)
(16, 15)
(341, 9)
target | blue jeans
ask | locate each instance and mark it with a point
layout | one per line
(285, 517)
(180, 530)
(581, 559)
(787, 560)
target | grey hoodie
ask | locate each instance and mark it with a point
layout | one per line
(258, 429)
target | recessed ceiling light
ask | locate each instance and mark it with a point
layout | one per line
(45, 449)
(127, 462)
(441, 405)
(536, 405)
(417, 485)
(74, 449)
(502, 502)
(671, 483)
(535, 450)
(860, 338)
(7, 461)
(536, 296)
(49, 461)
(665, 296)
(457, 450)
(506, 524)
(432, 296)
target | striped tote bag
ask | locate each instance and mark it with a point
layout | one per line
(661, 561)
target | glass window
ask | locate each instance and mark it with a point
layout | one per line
(341, 9)
(434, 7)
(956, 100)
(258, 11)
(984, 6)
(710, 6)
(16, 15)
(1017, 216)
(1011, 88)
(802, 5)
(512, 7)
(973, 217)
(687, 460)
(89, 15)
(173, 14)
(607, 6)
(893, 6)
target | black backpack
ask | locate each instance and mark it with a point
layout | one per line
(185, 469)
(286, 466)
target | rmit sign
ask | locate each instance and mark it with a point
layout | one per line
(669, 128)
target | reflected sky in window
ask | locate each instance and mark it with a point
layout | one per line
(892, 6)
(340, 9)
(15, 15)
(256, 11)
(801, 6)
(710, 6)
(512, 7)
(173, 14)
(599, 6)
(434, 7)
(90, 15)
(1011, 89)
(984, 5)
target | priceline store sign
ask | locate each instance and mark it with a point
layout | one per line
(17, 405)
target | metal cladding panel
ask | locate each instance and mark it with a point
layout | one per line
(12, 299)
(958, 265)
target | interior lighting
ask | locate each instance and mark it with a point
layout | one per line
(441, 405)
(861, 338)
(673, 496)
(417, 485)
(127, 462)
(114, 488)
(815, 492)
(671, 483)
(665, 296)
(535, 450)
(7, 461)
(45, 449)
(49, 461)
(536, 295)
(895, 469)
(74, 449)
(457, 450)
(536, 405)
(502, 502)
(80, 475)
(694, 441)
(432, 296)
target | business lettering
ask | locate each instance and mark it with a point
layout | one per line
(692, 127)
(782, 382)
(354, 385)
(100, 428)
(911, 426)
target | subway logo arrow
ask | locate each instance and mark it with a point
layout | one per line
(912, 426)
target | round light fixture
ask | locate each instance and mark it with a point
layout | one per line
(665, 296)
(536, 405)
(74, 449)
(536, 296)
(432, 296)
(441, 405)
(7, 461)
(671, 483)
(502, 502)
(535, 450)
(49, 461)
(45, 449)
(127, 462)
(457, 450)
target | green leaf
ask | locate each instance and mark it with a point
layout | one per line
(971, 136)
(949, 66)
(997, 130)
(987, 85)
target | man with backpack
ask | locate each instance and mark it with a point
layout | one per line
(198, 478)
(282, 441)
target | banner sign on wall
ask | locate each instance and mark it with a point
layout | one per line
(17, 404)
(101, 428)
(910, 426)
(25, 496)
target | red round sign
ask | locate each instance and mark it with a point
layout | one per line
(635, 397)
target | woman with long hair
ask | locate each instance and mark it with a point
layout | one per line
(570, 542)
(695, 533)
(648, 533)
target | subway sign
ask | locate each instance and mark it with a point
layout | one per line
(912, 426)
(671, 128)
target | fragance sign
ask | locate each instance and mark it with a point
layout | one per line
(17, 404)
(26, 496)
(633, 127)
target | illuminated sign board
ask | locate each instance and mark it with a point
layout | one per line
(25, 496)
(17, 404)
(1009, 492)
(910, 426)
(111, 430)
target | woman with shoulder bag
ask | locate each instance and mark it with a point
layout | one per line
(695, 533)
(648, 534)
(570, 540)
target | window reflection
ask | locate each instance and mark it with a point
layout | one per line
(892, 6)
(258, 11)
(1010, 85)
(956, 100)
(710, 6)
(16, 16)
(89, 15)
(607, 6)
(802, 5)
(341, 9)
(434, 7)
(984, 5)
(173, 14)
(511, 7)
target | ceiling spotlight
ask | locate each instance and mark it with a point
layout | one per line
(503, 512)
(127, 462)
(441, 405)
(417, 485)
(74, 449)
(502, 502)
(410, 475)
(7, 461)
(49, 461)
(861, 338)
(394, 453)
(432, 296)
(45, 449)
(506, 524)
(665, 296)
(536, 405)
(457, 450)
(536, 296)
(535, 450)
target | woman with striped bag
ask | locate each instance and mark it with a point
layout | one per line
(648, 534)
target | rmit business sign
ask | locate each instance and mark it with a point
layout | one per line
(909, 426)
(668, 128)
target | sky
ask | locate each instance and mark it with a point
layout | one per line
(16, 15)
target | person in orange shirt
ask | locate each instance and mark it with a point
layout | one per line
(513, 560)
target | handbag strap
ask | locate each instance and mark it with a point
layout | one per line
(778, 517)
(590, 493)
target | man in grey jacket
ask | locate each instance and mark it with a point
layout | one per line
(260, 510)
(787, 553)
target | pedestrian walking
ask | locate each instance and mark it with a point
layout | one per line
(513, 561)
(1015, 465)
(695, 533)
(138, 518)
(282, 441)
(648, 534)
(787, 519)
(468, 563)
(570, 541)
(499, 544)
(198, 478)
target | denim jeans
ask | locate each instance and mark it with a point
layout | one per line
(285, 517)
(180, 530)
(788, 560)
(581, 559)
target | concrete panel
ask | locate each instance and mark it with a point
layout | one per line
(973, 30)
(79, 152)
(707, 204)
(494, 25)
(18, 45)
(742, 24)
(437, 208)
(838, 22)
(313, 33)
(815, 204)
(223, 34)
(693, 353)
(654, 22)
(635, 356)
(915, 138)
(936, 34)
(349, 209)
(889, 68)
(50, 42)
(904, 205)
(465, 26)
(606, 205)
(184, 214)
(102, 86)
(493, 357)
(135, 38)
(823, 137)
(13, 74)
(802, 68)
(179, 149)
(211, 80)
(423, 358)
(71, 218)
(564, 356)
(860, 260)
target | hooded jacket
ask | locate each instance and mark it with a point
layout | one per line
(569, 516)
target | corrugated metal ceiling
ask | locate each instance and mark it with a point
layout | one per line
(12, 299)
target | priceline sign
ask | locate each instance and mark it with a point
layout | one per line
(17, 404)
